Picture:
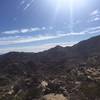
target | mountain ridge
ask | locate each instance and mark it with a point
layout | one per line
(59, 47)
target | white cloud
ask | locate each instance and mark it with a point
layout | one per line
(95, 31)
(9, 40)
(95, 19)
(43, 28)
(94, 16)
(22, 2)
(26, 30)
(78, 33)
(36, 29)
(28, 4)
(11, 32)
(95, 12)
(19, 39)
(15, 40)
(92, 30)
(98, 18)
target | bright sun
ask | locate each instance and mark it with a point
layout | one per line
(70, 6)
(60, 4)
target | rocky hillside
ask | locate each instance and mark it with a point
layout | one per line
(72, 73)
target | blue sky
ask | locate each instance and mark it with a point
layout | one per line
(37, 25)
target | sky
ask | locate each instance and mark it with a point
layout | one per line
(37, 25)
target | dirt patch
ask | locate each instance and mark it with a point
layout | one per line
(54, 97)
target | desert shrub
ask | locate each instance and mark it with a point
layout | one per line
(3, 81)
(7, 97)
(33, 93)
(91, 90)
(54, 88)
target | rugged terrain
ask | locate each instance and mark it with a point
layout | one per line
(69, 73)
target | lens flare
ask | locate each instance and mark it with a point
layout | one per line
(67, 7)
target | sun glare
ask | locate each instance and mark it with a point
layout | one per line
(67, 3)
(65, 7)
(71, 5)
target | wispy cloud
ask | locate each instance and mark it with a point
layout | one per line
(95, 16)
(95, 12)
(92, 30)
(28, 4)
(25, 4)
(22, 2)
(96, 19)
(26, 30)
(77, 33)
(10, 32)
(17, 39)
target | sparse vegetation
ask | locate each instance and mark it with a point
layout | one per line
(71, 73)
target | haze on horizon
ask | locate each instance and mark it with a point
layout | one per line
(36, 25)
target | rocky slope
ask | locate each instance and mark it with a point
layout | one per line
(69, 72)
